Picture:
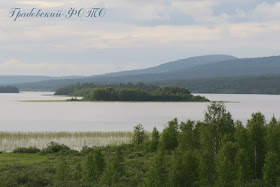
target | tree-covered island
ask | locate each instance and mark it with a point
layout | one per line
(129, 92)
(9, 89)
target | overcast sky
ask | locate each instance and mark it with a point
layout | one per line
(133, 34)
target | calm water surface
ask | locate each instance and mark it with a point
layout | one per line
(117, 116)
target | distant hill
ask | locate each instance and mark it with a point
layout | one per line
(203, 67)
(175, 65)
(261, 84)
(13, 79)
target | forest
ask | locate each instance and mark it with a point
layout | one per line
(217, 151)
(84, 89)
(128, 92)
(161, 94)
(261, 84)
(9, 89)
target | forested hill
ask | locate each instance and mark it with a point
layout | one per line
(10, 79)
(210, 69)
(262, 84)
(175, 65)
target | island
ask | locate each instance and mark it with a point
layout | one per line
(9, 89)
(162, 94)
(128, 92)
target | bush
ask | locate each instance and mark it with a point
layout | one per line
(26, 150)
(54, 147)
(86, 150)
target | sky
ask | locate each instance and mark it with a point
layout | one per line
(133, 34)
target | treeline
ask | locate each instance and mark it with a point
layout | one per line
(215, 152)
(263, 84)
(161, 94)
(9, 89)
(86, 88)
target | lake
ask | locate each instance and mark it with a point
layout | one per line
(16, 115)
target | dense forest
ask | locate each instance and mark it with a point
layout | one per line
(84, 89)
(9, 89)
(264, 84)
(260, 84)
(215, 152)
(161, 94)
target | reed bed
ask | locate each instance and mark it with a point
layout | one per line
(74, 140)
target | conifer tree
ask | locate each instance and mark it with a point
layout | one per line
(155, 140)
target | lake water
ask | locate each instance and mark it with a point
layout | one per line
(16, 115)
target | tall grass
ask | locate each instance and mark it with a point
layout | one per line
(74, 140)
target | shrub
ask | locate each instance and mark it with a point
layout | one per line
(54, 147)
(26, 150)
(86, 150)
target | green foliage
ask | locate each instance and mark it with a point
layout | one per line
(226, 167)
(207, 169)
(155, 140)
(63, 170)
(273, 136)
(243, 168)
(94, 166)
(256, 134)
(186, 136)
(86, 150)
(139, 135)
(185, 169)
(271, 172)
(54, 147)
(86, 88)
(220, 125)
(162, 94)
(115, 169)
(170, 136)
(26, 150)
(158, 173)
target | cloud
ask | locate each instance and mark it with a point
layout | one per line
(134, 30)
(42, 4)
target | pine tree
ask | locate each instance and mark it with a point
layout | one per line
(155, 140)
(139, 135)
